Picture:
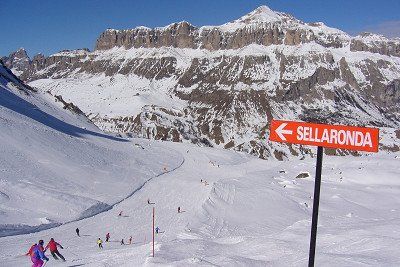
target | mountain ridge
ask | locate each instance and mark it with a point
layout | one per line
(221, 88)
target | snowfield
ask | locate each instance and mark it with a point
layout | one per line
(58, 171)
(251, 213)
(53, 171)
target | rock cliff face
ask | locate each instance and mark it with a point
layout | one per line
(221, 85)
(262, 26)
(375, 44)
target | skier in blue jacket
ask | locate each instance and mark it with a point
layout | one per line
(37, 255)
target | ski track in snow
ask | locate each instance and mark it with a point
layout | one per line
(43, 227)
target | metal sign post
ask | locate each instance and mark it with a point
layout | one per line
(314, 224)
(323, 135)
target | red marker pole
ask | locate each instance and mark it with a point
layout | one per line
(153, 230)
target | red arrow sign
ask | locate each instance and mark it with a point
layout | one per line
(333, 136)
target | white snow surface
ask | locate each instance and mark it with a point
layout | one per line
(249, 212)
(65, 162)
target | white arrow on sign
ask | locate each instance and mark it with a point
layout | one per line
(280, 131)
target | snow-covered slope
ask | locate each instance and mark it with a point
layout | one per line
(250, 213)
(56, 166)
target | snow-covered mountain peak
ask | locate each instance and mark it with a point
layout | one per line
(21, 52)
(368, 36)
(260, 14)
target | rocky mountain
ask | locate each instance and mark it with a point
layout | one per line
(221, 85)
(18, 61)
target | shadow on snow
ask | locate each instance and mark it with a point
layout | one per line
(15, 103)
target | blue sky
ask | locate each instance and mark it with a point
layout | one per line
(53, 25)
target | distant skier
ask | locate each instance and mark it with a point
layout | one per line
(157, 230)
(148, 201)
(52, 245)
(77, 231)
(179, 209)
(100, 243)
(130, 240)
(122, 242)
(37, 255)
(107, 237)
(120, 214)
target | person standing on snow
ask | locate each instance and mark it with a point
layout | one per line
(107, 237)
(122, 242)
(100, 243)
(157, 230)
(77, 231)
(52, 245)
(130, 240)
(37, 255)
(179, 209)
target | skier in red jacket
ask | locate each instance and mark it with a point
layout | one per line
(52, 245)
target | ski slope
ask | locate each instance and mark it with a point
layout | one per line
(57, 167)
(251, 213)
(59, 172)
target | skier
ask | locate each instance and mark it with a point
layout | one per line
(52, 245)
(122, 242)
(120, 214)
(100, 243)
(77, 231)
(148, 201)
(157, 230)
(107, 237)
(130, 240)
(179, 209)
(37, 255)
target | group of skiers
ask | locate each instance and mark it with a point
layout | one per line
(36, 252)
(100, 242)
